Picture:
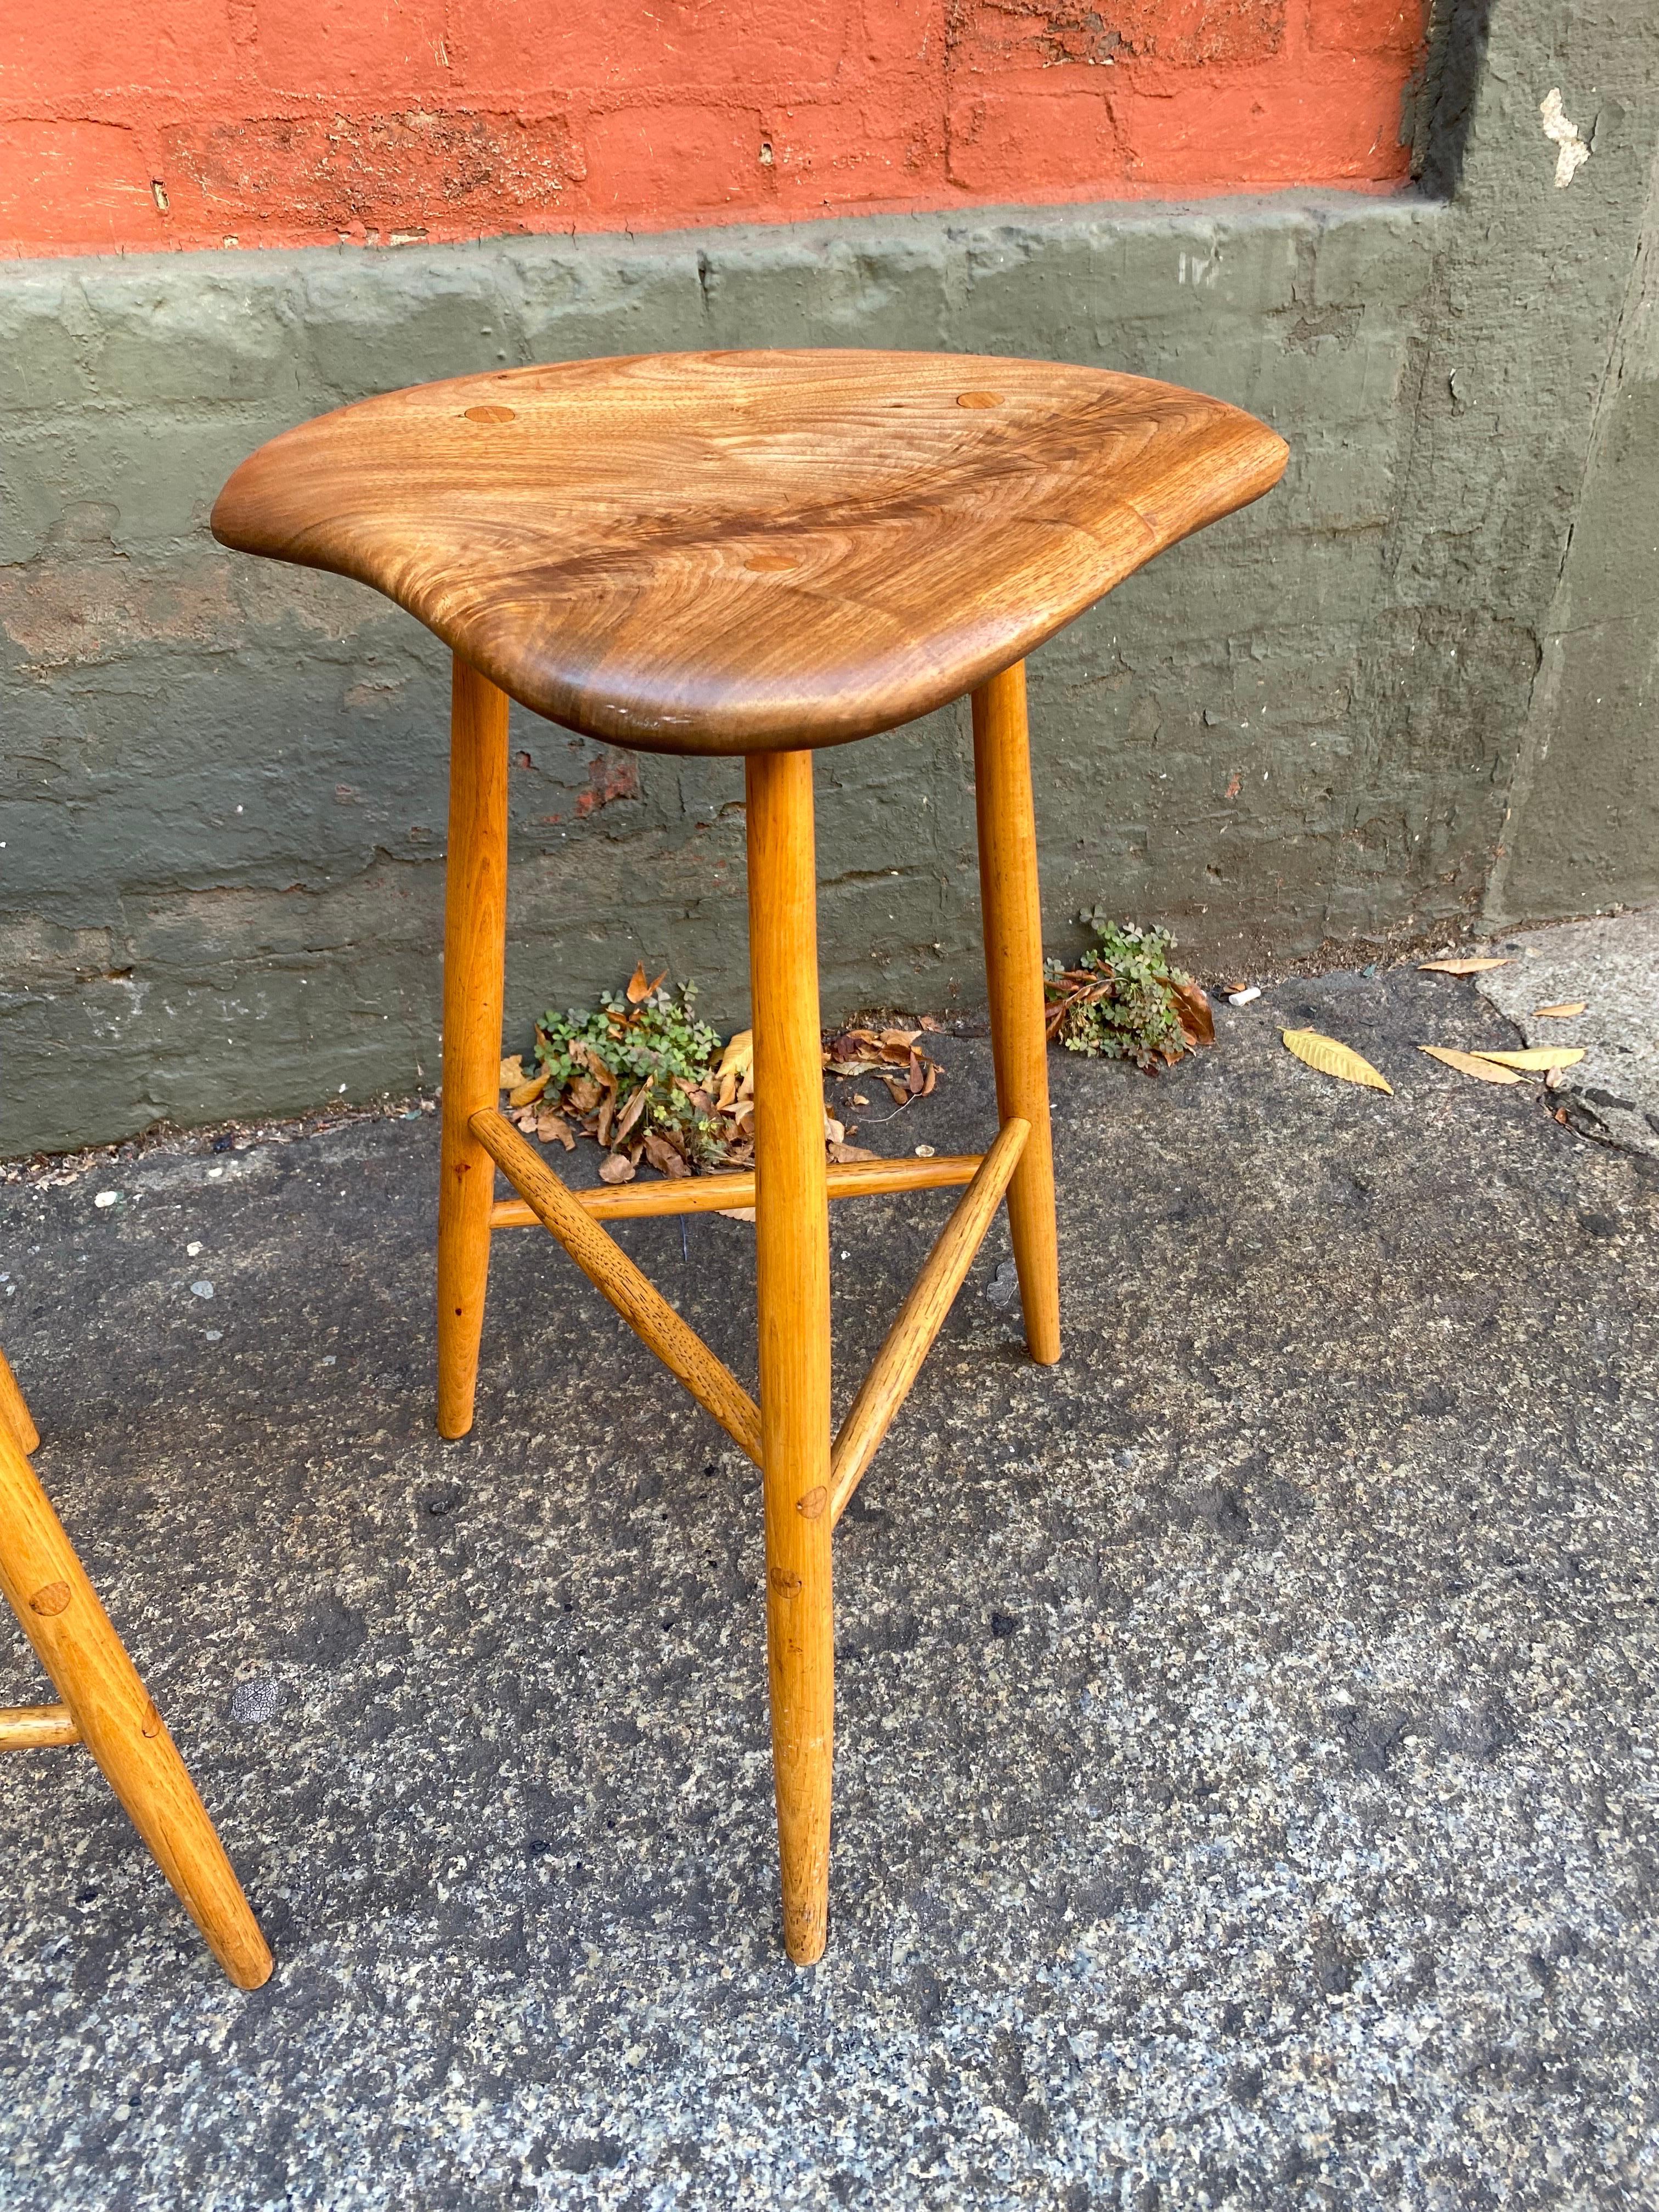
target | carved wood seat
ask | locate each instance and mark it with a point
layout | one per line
(749, 552)
(754, 554)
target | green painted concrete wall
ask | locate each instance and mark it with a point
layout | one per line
(1410, 688)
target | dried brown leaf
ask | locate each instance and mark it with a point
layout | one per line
(616, 1167)
(736, 1212)
(511, 1071)
(840, 1152)
(1460, 967)
(629, 1120)
(1193, 1007)
(550, 1125)
(1330, 1058)
(1467, 1063)
(897, 1093)
(932, 1022)
(665, 1157)
(1564, 1012)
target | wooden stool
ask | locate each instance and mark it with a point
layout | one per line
(754, 554)
(105, 1706)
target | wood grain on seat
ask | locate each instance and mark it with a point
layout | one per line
(742, 552)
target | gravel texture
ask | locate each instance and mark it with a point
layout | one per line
(1246, 1788)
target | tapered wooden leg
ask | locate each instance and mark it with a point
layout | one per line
(14, 1420)
(792, 1230)
(1013, 972)
(115, 1718)
(475, 951)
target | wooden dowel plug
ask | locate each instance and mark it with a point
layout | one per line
(920, 1317)
(636, 1297)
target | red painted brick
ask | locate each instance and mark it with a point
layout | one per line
(69, 50)
(1060, 139)
(1362, 27)
(404, 172)
(657, 46)
(863, 151)
(1180, 34)
(342, 49)
(74, 185)
(706, 160)
(291, 121)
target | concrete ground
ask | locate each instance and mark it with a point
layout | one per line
(1246, 1792)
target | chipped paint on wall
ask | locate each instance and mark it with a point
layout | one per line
(1570, 151)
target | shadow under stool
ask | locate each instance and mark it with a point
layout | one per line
(105, 1704)
(753, 553)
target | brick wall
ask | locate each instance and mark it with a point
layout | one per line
(206, 123)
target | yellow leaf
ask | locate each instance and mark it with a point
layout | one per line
(1565, 1011)
(1468, 1063)
(638, 988)
(512, 1072)
(1538, 1057)
(1331, 1058)
(1460, 967)
(737, 1057)
(526, 1093)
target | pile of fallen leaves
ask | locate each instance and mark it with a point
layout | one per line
(1124, 1001)
(650, 1083)
(642, 1076)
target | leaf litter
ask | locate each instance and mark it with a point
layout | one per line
(653, 1085)
(1124, 1001)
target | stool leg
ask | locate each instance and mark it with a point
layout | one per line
(791, 1227)
(1013, 972)
(58, 1609)
(14, 1419)
(475, 952)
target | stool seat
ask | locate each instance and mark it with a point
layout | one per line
(749, 552)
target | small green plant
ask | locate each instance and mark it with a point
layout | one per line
(638, 1071)
(1124, 1001)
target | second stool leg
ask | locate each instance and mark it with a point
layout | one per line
(791, 1233)
(15, 1420)
(1012, 919)
(475, 951)
(58, 1609)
